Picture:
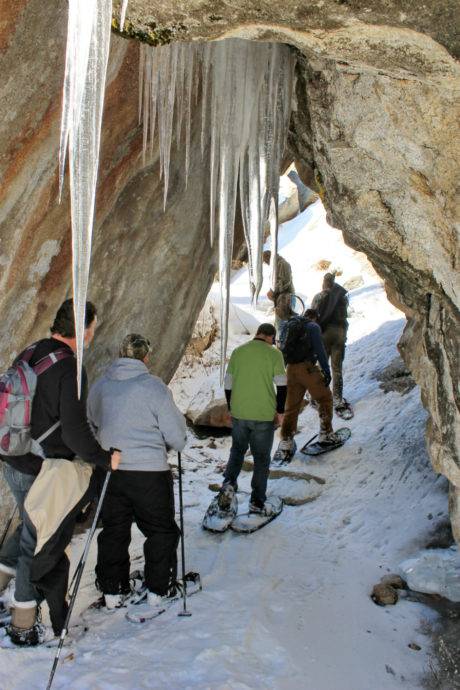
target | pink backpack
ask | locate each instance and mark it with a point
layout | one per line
(17, 389)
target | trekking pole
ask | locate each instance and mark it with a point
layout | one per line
(184, 612)
(8, 525)
(79, 573)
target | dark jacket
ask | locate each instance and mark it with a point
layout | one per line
(332, 306)
(56, 399)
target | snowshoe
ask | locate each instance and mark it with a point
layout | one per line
(285, 452)
(222, 510)
(151, 605)
(14, 637)
(111, 603)
(258, 516)
(343, 409)
(334, 440)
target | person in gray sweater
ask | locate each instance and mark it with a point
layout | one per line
(132, 410)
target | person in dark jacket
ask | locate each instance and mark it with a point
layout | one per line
(135, 411)
(304, 376)
(332, 305)
(55, 400)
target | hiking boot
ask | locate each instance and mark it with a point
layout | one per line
(327, 439)
(285, 451)
(225, 496)
(25, 630)
(115, 601)
(262, 509)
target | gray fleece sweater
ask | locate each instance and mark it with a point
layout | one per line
(134, 411)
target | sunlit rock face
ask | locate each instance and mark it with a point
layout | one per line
(150, 271)
(160, 21)
(374, 128)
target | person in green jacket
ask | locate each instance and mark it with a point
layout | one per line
(255, 388)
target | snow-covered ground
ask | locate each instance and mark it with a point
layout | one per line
(286, 608)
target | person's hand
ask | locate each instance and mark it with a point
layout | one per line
(278, 420)
(115, 460)
(228, 420)
(327, 378)
(270, 295)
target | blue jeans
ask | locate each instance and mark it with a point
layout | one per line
(17, 552)
(258, 436)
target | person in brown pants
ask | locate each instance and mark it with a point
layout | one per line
(303, 347)
(331, 305)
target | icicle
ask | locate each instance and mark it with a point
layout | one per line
(124, 7)
(246, 100)
(84, 83)
(206, 64)
(142, 55)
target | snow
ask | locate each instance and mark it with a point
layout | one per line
(286, 608)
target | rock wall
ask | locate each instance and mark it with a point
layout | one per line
(150, 271)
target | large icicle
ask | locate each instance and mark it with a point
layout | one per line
(246, 102)
(124, 7)
(84, 84)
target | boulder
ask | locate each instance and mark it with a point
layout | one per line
(215, 414)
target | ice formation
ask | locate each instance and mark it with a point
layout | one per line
(246, 101)
(246, 105)
(88, 39)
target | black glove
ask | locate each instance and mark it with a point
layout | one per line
(327, 378)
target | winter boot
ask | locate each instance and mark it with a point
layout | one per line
(285, 452)
(327, 439)
(225, 496)
(25, 630)
(260, 508)
(115, 601)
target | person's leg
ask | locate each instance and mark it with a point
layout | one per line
(112, 569)
(24, 590)
(337, 356)
(260, 441)
(154, 515)
(19, 484)
(240, 444)
(314, 382)
(295, 392)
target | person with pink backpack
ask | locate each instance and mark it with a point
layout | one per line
(43, 426)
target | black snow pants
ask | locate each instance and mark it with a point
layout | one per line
(147, 498)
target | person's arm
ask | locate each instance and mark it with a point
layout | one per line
(280, 381)
(75, 429)
(318, 347)
(228, 382)
(171, 422)
(91, 406)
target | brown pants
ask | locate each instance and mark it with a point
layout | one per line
(300, 378)
(334, 339)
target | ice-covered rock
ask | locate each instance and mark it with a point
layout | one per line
(435, 571)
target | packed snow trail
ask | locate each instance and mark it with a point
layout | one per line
(286, 608)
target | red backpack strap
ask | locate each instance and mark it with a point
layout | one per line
(48, 360)
(26, 354)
